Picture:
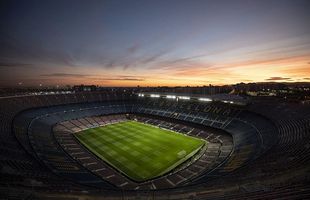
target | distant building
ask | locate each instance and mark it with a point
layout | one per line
(84, 88)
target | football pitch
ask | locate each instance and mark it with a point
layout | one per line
(140, 151)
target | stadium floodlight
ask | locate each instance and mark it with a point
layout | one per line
(231, 102)
(184, 97)
(204, 99)
(154, 95)
(141, 95)
(171, 97)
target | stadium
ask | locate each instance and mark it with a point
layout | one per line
(125, 145)
(154, 99)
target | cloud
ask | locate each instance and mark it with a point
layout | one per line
(94, 77)
(153, 58)
(306, 78)
(125, 78)
(277, 78)
(120, 78)
(66, 75)
(17, 49)
(178, 60)
(134, 48)
(15, 64)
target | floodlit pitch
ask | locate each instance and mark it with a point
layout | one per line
(140, 151)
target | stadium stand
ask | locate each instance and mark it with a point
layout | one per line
(253, 151)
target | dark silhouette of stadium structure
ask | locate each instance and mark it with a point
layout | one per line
(260, 150)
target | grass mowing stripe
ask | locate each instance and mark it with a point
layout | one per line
(139, 150)
(138, 133)
(106, 157)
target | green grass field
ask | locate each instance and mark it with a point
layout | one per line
(138, 150)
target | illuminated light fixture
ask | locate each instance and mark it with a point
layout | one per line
(141, 95)
(170, 97)
(204, 99)
(154, 95)
(183, 97)
(228, 102)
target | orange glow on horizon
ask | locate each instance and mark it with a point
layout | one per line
(290, 69)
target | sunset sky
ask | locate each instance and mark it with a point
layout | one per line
(153, 43)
